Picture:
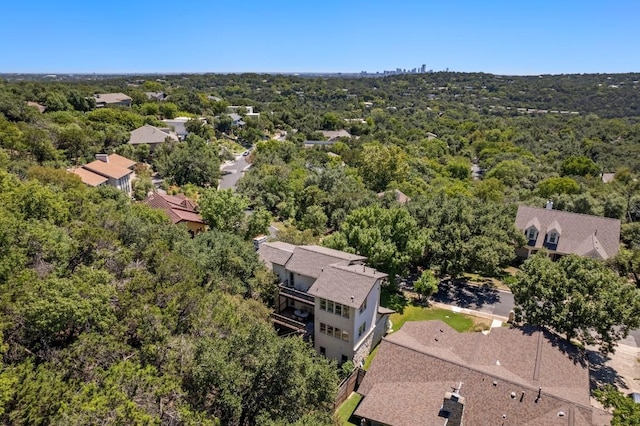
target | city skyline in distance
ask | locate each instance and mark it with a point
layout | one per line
(146, 37)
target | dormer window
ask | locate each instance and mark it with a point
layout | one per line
(552, 238)
(532, 234)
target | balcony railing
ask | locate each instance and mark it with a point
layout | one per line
(297, 294)
(288, 322)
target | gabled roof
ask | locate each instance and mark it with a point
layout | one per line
(111, 98)
(150, 134)
(88, 177)
(582, 234)
(120, 161)
(107, 169)
(497, 375)
(177, 209)
(346, 284)
(277, 252)
(399, 196)
(41, 108)
(310, 260)
(335, 134)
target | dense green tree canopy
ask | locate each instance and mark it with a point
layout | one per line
(578, 297)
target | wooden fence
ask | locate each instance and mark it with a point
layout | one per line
(348, 385)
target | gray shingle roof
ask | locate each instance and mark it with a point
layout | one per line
(310, 260)
(581, 234)
(346, 284)
(417, 365)
(275, 252)
(150, 134)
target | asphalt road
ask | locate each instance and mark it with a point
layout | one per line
(492, 301)
(232, 172)
(478, 298)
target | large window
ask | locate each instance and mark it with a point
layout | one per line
(362, 328)
(334, 308)
(334, 332)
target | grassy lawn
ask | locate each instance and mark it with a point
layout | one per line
(347, 408)
(501, 283)
(459, 322)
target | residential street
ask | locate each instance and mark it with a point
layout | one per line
(232, 172)
(478, 298)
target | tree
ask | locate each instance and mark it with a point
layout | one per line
(389, 238)
(579, 165)
(626, 410)
(578, 297)
(427, 284)
(192, 161)
(557, 185)
(223, 210)
(258, 223)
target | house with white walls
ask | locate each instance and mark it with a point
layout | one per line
(329, 296)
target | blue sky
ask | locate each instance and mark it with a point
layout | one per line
(496, 36)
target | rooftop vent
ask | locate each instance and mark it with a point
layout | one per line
(549, 205)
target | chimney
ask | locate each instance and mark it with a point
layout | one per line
(549, 205)
(452, 408)
(102, 157)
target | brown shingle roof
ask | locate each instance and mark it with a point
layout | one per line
(417, 365)
(111, 98)
(88, 177)
(581, 234)
(310, 260)
(346, 284)
(107, 169)
(178, 212)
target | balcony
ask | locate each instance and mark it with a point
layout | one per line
(298, 295)
(290, 323)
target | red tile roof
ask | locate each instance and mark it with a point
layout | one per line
(178, 209)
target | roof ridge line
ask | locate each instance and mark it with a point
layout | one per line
(484, 372)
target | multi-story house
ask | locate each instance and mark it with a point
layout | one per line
(561, 233)
(330, 296)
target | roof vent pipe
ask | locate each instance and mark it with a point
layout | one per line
(549, 205)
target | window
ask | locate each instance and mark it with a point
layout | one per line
(323, 304)
(532, 233)
(323, 328)
(552, 238)
(363, 307)
(345, 311)
(338, 310)
(329, 306)
(361, 329)
(323, 350)
(345, 336)
(330, 330)
(344, 359)
(337, 333)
